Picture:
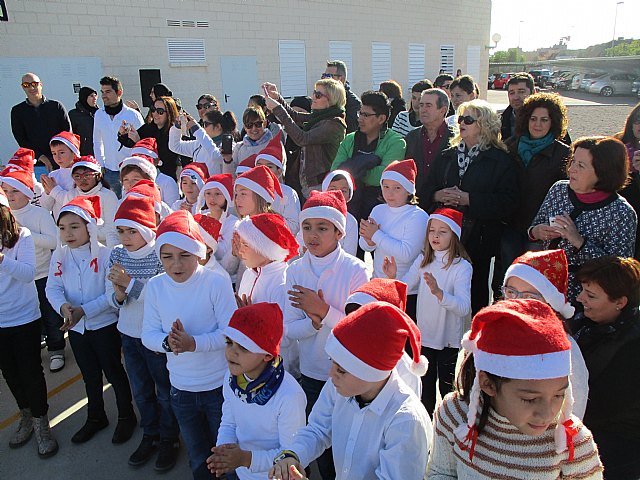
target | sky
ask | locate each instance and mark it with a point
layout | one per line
(587, 22)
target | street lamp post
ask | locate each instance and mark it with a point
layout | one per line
(519, 32)
(615, 21)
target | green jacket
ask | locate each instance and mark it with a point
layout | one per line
(391, 146)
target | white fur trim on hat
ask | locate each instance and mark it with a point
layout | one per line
(525, 367)
(552, 296)
(219, 186)
(4, 202)
(401, 179)
(360, 298)
(90, 165)
(82, 213)
(18, 185)
(193, 176)
(211, 242)
(74, 149)
(270, 159)
(328, 213)
(239, 337)
(254, 187)
(260, 242)
(332, 175)
(146, 232)
(144, 151)
(183, 242)
(240, 169)
(143, 164)
(455, 228)
(351, 363)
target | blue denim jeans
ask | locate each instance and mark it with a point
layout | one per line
(113, 179)
(199, 415)
(149, 379)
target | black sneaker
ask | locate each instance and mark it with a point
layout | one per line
(167, 454)
(89, 429)
(145, 450)
(124, 429)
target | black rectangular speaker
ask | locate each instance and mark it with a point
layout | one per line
(148, 78)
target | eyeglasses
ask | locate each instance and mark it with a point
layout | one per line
(206, 106)
(366, 114)
(83, 176)
(335, 76)
(467, 119)
(159, 111)
(512, 294)
(30, 84)
(206, 124)
(251, 125)
(319, 95)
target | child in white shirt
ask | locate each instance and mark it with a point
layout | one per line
(210, 231)
(147, 148)
(65, 148)
(343, 181)
(192, 178)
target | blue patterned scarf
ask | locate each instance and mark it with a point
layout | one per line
(261, 389)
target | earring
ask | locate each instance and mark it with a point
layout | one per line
(617, 308)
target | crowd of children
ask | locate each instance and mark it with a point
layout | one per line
(251, 331)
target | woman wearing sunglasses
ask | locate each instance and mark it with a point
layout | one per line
(320, 135)
(476, 176)
(256, 137)
(163, 114)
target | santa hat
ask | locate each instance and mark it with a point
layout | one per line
(348, 177)
(223, 182)
(147, 188)
(209, 230)
(262, 181)
(246, 164)
(197, 172)
(87, 161)
(3, 198)
(402, 171)
(21, 180)
(547, 272)
(147, 147)
(453, 218)
(269, 234)
(143, 162)
(381, 290)
(369, 342)
(139, 213)
(87, 208)
(23, 159)
(182, 231)
(71, 140)
(328, 205)
(517, 339)
(257, 327)
(273, 152)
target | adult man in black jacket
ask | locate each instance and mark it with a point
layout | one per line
(337, 70)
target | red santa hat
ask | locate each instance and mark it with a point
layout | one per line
(3, 199)
(139, 213)
(348, 177)
(369, 342)
(328, 205)
(23, 159)
(223, 182)
(87, 161)
(71, 140)
(546, 271)
(262, 181)
(246, 164)
(143, 162)
(257, 327)
(209, 230)
(147, 147)
(517, 339)
(269, 234)
(147, 188)
(21, 180)
(381, 290)
(197, 172)
(402, 171)
(451, 217)
(274, 152)
(89, 209)
(182, 231)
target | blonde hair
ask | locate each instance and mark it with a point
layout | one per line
(454, 253)
(488, 121)
(336, 93)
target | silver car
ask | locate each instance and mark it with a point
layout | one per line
(612, 84)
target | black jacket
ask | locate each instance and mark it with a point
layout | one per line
(82, 123)
(506, 126)
(397, 105)
(169, 159)
(352, 109)
(33, 127)
(544, 169)
(492, 183)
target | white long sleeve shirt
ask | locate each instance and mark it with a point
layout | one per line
(169, 190)
(341, 274)
(264, 430)
(18, 295)
(223, 253)
(72, 279)
(202, 150)
(63, 179)
(289, 207)
(43, 232)
(441, 323)
(106, 147)
(401, 235)
(204, 304)
(388, 439)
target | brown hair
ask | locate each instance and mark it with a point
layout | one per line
(391, 89)
(252, 114)
(610, 161)
(455, 252)
(9, 229)
(554, 105)
(617, 276)
(172, 111)
(626, 135)
(127, 169)
(261, 204)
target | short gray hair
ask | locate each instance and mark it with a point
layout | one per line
(442, 97)
(340, 66)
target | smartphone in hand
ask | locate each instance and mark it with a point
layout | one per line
(227, 143)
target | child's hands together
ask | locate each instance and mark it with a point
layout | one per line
(309, 301)
(118, 276)
(235, 245)
(389, 267)
(179, 340)
(71, 315)
(48, 183)
(367, 229)
(432, 283)
(226, 458)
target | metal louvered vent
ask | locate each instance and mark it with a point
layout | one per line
(447, 58)
(173, 23)
(187, 23)
(202, 24)
(186, 51)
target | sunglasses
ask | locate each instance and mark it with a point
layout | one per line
(206, 106)
(467, 119)
(319, 95)
(335, 76)
(30, 84)
(159, 111)
(251, 125)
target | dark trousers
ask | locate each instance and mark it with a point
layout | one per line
(442, 367)
(99, 351)
(412, 305)
(51, 321)
(22, 367)
(312, 389)
(480, 283)
(619, 455)
(150, 385)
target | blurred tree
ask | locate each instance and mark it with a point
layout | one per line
(512, 55)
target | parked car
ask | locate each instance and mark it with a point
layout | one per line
(557, 77)
(586, 79)
(611, 84)
(500, 83)
(540, 77)
(635, 88)
(562, 81)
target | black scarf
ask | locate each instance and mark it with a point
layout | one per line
(261, 389)
(114, 110)
(324, 114)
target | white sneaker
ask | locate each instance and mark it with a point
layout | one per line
(57, 361)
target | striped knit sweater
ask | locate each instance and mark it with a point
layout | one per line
(503, 452)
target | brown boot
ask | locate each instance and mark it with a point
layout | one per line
(47, 445)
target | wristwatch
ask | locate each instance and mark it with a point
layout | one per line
(165, 344)
(286, 454)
